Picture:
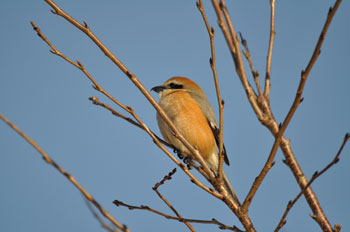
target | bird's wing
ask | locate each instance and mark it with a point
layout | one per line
(210, 115)
(216, 133)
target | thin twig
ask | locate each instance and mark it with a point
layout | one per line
(238, 60)
(247, 55)
(97, 216)
(313, 178)
(270, 161)
(165, 178)
(317, 51)
(96, 101)
(304, 74)
(231, 44)
(155, 188)
(48, 159)
(269, 53)
(212, 62)
(77, 64)
(167, 216)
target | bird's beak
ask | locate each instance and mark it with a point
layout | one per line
(158, 89)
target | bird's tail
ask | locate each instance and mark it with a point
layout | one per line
(229, 187)
(213, 162)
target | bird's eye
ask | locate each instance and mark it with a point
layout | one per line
(175, 86)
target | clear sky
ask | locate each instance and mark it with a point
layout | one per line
(48, 99)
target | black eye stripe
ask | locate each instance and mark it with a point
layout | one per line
(175, 86)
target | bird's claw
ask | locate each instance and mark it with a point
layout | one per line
(188, 159)
(179, 153)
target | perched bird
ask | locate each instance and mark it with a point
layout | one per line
(188, 108)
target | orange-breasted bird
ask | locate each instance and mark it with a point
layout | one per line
(188, 108)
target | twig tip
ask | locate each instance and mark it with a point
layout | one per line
(86, 25)
(93, 99)
(33, 25)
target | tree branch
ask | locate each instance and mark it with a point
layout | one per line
(247, 55)
(263, 111)
(97, 102)
(269, 53)
(155, 188)
(85, 193)
(313, 178)
(212, 62)
(98, 218)
(167, 216)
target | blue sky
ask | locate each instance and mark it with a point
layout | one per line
(48, 99)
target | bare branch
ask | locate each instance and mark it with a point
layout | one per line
(212, 62)
(78, 65)
(232, 46)
(282, 128)
(304, 74)
(320, 217)
(263, 111)
(96, 101)
(167, 177)
(247, 55)
(313, 178)
(317, 51)
(98, 218)
(269, 53)
(167, 216)
(155, 188)
(85, 193)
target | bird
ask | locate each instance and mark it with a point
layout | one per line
(188, 108)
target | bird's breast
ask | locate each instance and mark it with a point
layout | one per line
(189, 119)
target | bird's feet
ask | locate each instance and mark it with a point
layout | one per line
(179, 153)
(188, 160)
